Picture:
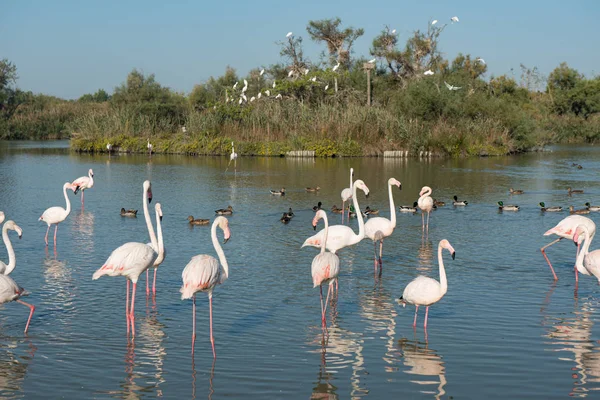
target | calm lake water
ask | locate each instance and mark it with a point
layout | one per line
(503, 330)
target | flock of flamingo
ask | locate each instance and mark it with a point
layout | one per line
(204, 272)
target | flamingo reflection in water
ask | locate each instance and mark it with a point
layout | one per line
(423, 361)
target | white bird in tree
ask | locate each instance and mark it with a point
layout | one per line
(259, 96)
(235, 85)
(244, 89)
(435, 21)
(347, 195)
(132, 259)
(6, 269)
(335, 67)
(252, 99)
(268, 92)
(306, 71)
(314, 79)
(341, 236)
(379, 228)
(290, 73)
(274, 85)
(325, 267)
(454, 19)
(372, 61)
(565, 229)
(245, 83)
(240, 101)
(278, 96)
(109, 147)
(425, 291)
(262, 71)
(82, 183)
(243, 96)
(203, 273)
(289, 34)
(425, 203)
(428, 72)
(481, 60)
(452, 87)
(56, 215)
(393, 31)
(326, 86)
(10, 291)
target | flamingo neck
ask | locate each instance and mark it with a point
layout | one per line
(161, 246)
(12, 260)
(587, 241)
(392, 206)
(426, 194)
(149, 221)
(443, 281)
(361, 222)
(218, 249)
(91, 182)
(68, 209)
(324, 241)
(351, 178)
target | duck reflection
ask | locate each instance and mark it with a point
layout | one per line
(424, 361)
(13, 366)
(573, 334)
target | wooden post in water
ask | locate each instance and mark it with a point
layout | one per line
(368, 67)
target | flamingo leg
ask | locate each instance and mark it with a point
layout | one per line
(336, 285)
(32, 308)
(380, 255)
(127, 308)
(82, 199)
(416, 311)
(423, 220)
(132, 315)
(323, 324)
(212, 339)
(428, 212)
(375, 253)
(55, 230)
(46, 238)
(147, 287)
(154, 282)
(343, 210)
(193, 322)
(543, 250)
(426, 314)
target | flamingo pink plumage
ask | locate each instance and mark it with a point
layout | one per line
(425, 291)
(131, 259)
(82, 183)
(378, 228)
(347, 195)
(56, 215)
(588, 263)
(565, 229)
(325, 267)
(203, 273)
(425, 203)
(6, 269)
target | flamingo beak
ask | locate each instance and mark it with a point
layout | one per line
(314, 227)
(453, 254)
(225, 240)
(149, 196)
(160, 218)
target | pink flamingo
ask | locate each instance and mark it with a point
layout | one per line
(347, 195)
(56, 215)
(325, 267)
(82, 183)
(2, 217)
(565, 230)
(131, 259)
(378, 228)
(587, 262)
(203, 273)
(161, 250)
(425, 203)
(10, 291)
(425, 291)
(6, 269)
(341, 236)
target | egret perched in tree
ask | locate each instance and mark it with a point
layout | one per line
(278, 96)
(273, 84)
(326, 86)
(243, 96)
(259, 95)
(434, 22)
(393, 31)
(336, 67)
(268, 92)
(481, 60)
(290, 73)
(289, 34)
(252, 99)
(454, 19)
(240, 102)
(235, 85)
(372, 61)
(262, 71)
(452, 87)
(314, 79)
(306, 71)
(428, 72)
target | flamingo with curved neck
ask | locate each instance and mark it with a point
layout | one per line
(425, 291)
(325, 267)
(6, 269)
(132, 259)
(425, 203)
(160, 250)
(56, 215)
(379, 228)
(203, 273)
(588, 263)
(347, 195)
(82, 183)
(341, 236)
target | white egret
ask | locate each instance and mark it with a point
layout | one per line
(372, 61)
(273, 84)
(244, 97)
(435, 21)
(326, 86)
(183, 129)
(393, 31)
(252, 99)
(290, 73)
(234, 86)
(452, 87)
(314, 79)
(240, 102)
(109, 147)
(262, 71)
(289, 34)
(454, 19)
(336, 67)
(428, 72)
(278, 96)
(268, 92)
(481, 60)
(306, 71)
(259, 95)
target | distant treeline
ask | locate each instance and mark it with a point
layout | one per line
(322, 106)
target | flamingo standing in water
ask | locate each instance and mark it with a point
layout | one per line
(588, 263)
(378, 228)
(425, 291)
(347, 195)
(82, 183)
(341, 235)
(131, 259)
(9, 290)
(425, 203)
(6, 269)
(203, 273)
(161, 250)
(565, 229)
(56, 215)
(325, 267)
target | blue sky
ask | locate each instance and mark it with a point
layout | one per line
(72, 47)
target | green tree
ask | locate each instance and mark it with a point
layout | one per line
(339, 41)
